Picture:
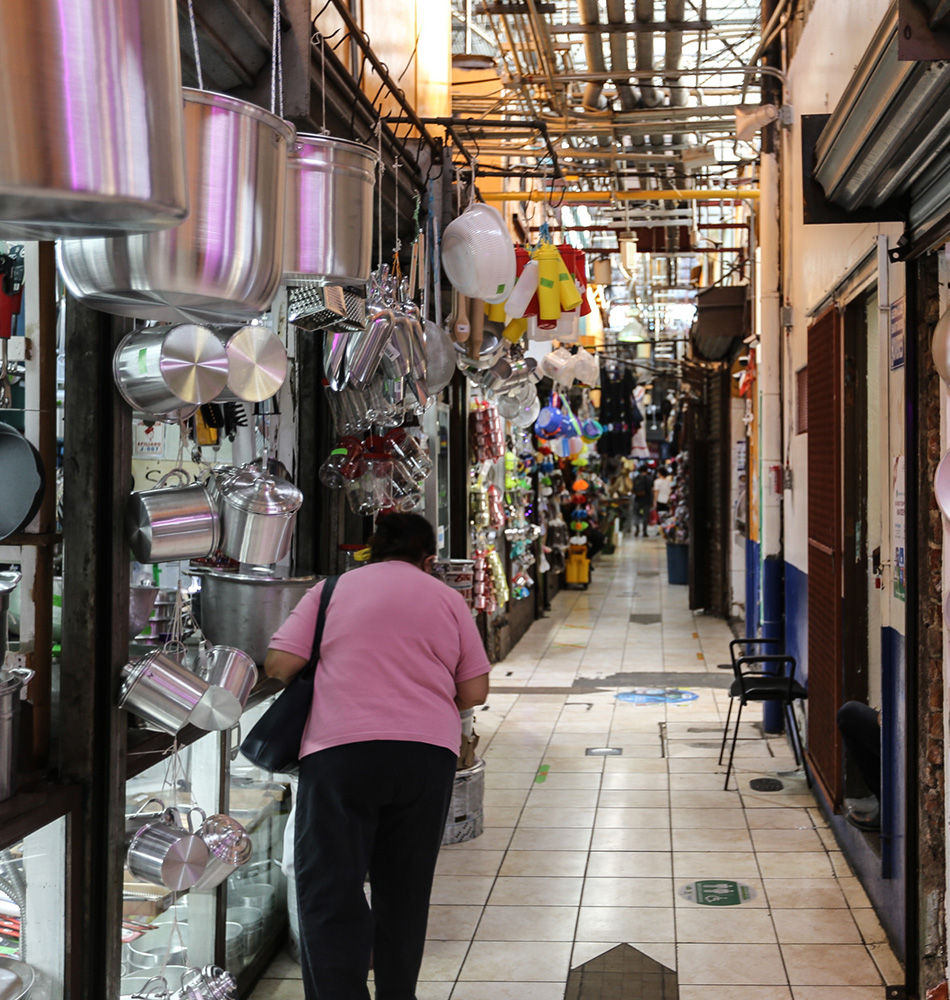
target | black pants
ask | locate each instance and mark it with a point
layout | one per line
(377, 807)
(861, 733)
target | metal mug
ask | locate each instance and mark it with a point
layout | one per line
(229, 846)
(232, 669)
(163, 852)
(161, 691)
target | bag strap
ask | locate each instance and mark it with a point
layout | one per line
(326, 593)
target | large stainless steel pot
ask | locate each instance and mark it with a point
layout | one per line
(11, 681)
(163, 852)
(159, 368)
(92, 120)
(329, 211)
(161, 691)
(224, 262)
(168, 524)
(257, 363)
(245, 610)
(258, 512)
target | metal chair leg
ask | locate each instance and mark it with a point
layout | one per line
(725, 730)
(792, 733)
(801, 747)
(732, 749)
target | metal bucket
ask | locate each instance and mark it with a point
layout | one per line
(8, 582)
(329, 211)
(11, 682)
(245, 610)
(163, 852)
(161, 691)
(168, 524)
(233, 670)
(224, 261)
(158, 369)
(251, 919)
(96, 147)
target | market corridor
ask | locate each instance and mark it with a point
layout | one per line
(606, 876)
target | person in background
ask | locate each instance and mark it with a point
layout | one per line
(860, 728)
(400, 658)
(642, 500)
(662, 487)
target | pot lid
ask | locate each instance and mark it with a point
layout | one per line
(266, 578)
(8, 580)
(194, 363)
(253, 491)
(226, 839)
(257, 361)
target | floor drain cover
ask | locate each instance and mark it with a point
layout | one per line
(604, 751)
(645, 619)
(766, 785)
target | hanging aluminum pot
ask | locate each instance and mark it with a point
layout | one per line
(161, 691)
(231, 669)
(172, 523)
(163, 852)
(91, 119)
(157, 369)
(224, 262)
(257, 363)
(329, 210)
(258, 512)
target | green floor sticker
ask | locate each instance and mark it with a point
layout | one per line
(717, 892)
(542, 774)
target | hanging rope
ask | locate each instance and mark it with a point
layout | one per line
(194, 44)
(379, 194)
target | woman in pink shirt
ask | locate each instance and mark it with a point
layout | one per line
(400, 658)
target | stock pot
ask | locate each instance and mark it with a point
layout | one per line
(171, 523)
(224, 261)
(258, 513)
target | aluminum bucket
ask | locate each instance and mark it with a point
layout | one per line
(224, 261)
(329, 211)
(11, 683)
(168, 524)
(92, 120)
(233, 670)
(161, 691)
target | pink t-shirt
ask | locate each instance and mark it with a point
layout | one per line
(395, 643)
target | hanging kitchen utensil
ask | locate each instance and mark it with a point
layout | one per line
(161, 691)
(163, 852)
(258, 513)
(315, 307)
(158, 369)
(329, 210)
(209, 983)
(88, 82)
(224, 262)
(334, 358)
(365, 347)
(172, 523)
(229, 847)
(257, 363)
(477, 254)
(22, 481)
(232, 669)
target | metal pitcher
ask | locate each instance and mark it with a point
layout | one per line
(163, 852)
(229, 846)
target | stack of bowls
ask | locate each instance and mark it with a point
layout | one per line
(478, 255)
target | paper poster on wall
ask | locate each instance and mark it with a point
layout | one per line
(148, 439)
(899, 515)
(897, 334)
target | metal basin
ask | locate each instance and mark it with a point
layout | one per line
(97, 146)
(224, 262)
(245, 610)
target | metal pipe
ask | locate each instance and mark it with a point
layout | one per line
(619, 63)
(574, 197)
(594, 50)
(644, 49)
(675, 11)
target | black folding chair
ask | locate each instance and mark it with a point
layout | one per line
(761, 685)
(744, 646)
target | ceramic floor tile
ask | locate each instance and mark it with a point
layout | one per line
(830, 965)
(532, 961)
(551, 798)
(469, 862)
(536, 891)
(635, 780)
(714, 864)
(804, 926)
(633, 798)
(712, 924)
(787, 840)
(707, 819)
(551, 839)
(805, 893)
(527, 923)
(507, 991)
(732, 964)
(442, 960)
(887, 963)
(627, 839)
(662, 952)
(712, 840)
(547, 816)
(869, 926)
(835, 993)
(629, 864)
(735, 993)
(490, 839)
(779, 819)
(801, 864)
(284, 967)
(452, 923)
(278, 989)
(631, 819)
(624, 923)
(461, 889)
(615, 891)
(563, 780)
(569, 863)
(434, 990)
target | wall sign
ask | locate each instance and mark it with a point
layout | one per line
(898, 514)
(897, 334)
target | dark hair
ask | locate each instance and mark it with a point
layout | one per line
(409, 537)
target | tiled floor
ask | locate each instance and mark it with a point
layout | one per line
(585, 882)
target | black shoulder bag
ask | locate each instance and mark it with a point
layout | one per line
(274, 742)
